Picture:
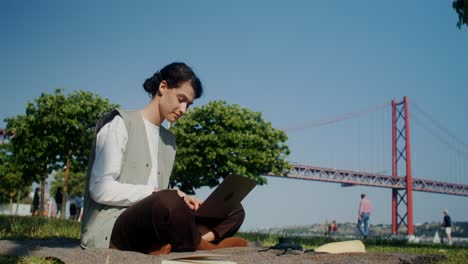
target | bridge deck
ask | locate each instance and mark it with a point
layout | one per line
(372, 179)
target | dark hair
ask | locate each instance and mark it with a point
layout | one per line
(175, 74)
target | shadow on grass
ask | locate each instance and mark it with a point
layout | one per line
(24, 247)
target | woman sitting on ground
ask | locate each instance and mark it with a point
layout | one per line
(128, 205)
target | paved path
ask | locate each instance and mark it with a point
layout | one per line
(69, 252)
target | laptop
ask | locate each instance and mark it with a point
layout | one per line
(227, 197)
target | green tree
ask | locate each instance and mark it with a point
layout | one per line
(33, 147)
(461, 7)
(217, 138)
(75, 126)
(12, 183)
(56, 133)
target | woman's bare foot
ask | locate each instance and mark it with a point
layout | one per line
(227, 242)
(206, 245)
(233, 242)
(160, 249)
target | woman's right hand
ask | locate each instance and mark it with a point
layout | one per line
(192, 202)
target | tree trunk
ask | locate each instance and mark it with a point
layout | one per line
(65, 185)
(41, 202)
(11, 202)
(18, 197)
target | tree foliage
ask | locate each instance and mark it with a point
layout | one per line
(217, 139)
(12, 184)
(33, 147)
(461, 7)
(56, 132)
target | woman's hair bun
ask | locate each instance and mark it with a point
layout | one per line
(175, 74)
(151, 85)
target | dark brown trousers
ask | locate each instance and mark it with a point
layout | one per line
(164, 218)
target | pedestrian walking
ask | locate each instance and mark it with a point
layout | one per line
(36, 202)
(58, 200)
(365, 209)
(447, 225)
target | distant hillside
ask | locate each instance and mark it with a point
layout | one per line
(460, 229)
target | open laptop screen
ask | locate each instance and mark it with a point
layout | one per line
(227, 197)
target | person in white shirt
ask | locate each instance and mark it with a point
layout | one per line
(139, 211)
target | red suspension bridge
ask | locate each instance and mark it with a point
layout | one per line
(400, 181)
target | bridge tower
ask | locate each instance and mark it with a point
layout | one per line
(401, 151)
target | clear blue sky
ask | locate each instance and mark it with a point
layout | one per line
(295, 61)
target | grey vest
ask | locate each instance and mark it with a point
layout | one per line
(98, 219)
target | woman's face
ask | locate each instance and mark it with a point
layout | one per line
(174, 102)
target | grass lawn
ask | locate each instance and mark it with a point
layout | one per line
(20, 228)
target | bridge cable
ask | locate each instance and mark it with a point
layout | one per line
(441, 127)
(453, 149)
(336, 119)
(455, 144)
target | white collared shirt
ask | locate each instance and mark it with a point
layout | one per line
(111, 142)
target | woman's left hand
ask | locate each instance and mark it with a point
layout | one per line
(192, 202)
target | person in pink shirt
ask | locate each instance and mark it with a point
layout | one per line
(365, 209)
